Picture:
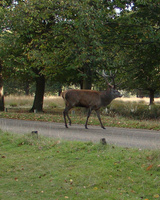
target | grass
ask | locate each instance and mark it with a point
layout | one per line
(127, 112)
(44, 168)
(80, 118)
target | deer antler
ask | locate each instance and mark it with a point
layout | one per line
(106, 76)
(112, 76)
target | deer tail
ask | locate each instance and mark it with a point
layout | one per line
(63, 95)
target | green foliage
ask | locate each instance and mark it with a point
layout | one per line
(25, 87)
(13, 104)
(53, 105)
(70, 40)
(134, 110)
(140, 45)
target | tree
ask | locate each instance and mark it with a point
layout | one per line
(138, 32)
(1, 89)
(1, 62)
(33, 25)
(84, 32)
(70, 40)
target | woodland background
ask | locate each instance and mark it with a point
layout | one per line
(47, 45)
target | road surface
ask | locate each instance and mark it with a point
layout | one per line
(139, 138)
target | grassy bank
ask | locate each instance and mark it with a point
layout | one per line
(80, 118)
(43, 168)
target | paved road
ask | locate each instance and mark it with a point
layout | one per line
(117, 136)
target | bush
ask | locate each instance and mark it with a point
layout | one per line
(134, 110)
(154, 111)
(13, 105)
(53, 105)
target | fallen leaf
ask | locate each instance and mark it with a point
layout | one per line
(149, 158)
(129, 178)
(156, 196)
(149, 167)
(20, 144)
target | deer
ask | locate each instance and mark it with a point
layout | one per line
(91, 99)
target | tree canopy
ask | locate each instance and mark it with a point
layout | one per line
(70, 40)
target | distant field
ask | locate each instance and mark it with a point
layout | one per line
(145, 99)
(27, 101)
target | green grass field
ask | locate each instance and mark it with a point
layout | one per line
(44, 168)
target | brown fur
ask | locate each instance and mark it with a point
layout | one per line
(93, 100)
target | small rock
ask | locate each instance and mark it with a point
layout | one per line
(103, 141)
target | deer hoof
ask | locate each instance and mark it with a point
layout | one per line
(66, 126)
(103, 127)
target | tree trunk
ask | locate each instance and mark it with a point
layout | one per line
(26, 87)
(39, 94)
(151, 95)
(59, 91)
(87, 81)
(1, 90)
(140, 93)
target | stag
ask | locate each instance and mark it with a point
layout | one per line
(93, 100)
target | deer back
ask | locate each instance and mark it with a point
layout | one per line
(82, 98)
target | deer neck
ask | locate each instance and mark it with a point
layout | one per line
(106, 97)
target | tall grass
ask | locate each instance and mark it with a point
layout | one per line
(27, 101)
(18, 101)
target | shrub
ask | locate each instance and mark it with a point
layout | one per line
(53, 105)
(154, 111)
(133, 110)
(13, 105)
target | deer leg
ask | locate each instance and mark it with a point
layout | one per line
(98, 115)
(89, 113)
(65, 113)
(69, 119)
